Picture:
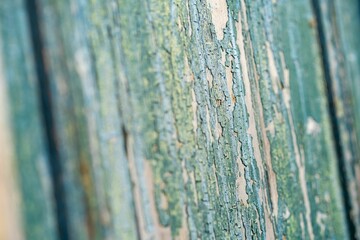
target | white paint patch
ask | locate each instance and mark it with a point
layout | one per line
(272, 69)
(299, 156)
(188, 18)
(229, 83)
(219, 130)
(286, 90)
(327, 197)
(208, 124)
(209, 78)
(81, 63)
(312, 127)
(271, 128)
(188, 74)
(286, 214)
(159, 231)
(303, 184)
(320, 217)
(241, 181)
(302, 225)
(219, 15)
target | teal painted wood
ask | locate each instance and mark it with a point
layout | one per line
(190, 119)
(32, 162)
(287, 30)
(229, 136)
(340, 22)
(85, 89)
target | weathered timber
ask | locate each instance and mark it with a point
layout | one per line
(182, 119)
(18, 77)
(337, 22)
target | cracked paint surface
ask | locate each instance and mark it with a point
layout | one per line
(191, 119)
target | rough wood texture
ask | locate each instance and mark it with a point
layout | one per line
(183, 119)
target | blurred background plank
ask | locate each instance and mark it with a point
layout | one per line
(338, 23)
(28, 145)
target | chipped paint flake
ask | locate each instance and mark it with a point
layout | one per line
(218, 9)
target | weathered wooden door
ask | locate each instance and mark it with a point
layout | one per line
(179, 119)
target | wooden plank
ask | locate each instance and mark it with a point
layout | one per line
(338, 23)
(28, 147)
(10, 220)
(262, 132)
(81, 71)
(183, 119)
(295, 79)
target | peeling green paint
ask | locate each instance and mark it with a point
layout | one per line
(173, 125)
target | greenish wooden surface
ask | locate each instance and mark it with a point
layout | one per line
(340, 20)
(19, 76)
(184, 119)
